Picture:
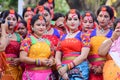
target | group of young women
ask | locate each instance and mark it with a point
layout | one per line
(77, 47)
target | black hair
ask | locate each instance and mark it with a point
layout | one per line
(108, 9)
(7, 12)
(41, 2)
(23, 22)
(116, 21)
(25, 10)
(91, 14)
(76, 11)
(36, 17)
(45, 8)
(57, 15)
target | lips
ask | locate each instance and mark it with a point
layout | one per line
(72, 24)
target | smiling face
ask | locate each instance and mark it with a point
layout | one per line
(39, 27)
(103, 18)
(73, 21)
(11, 18)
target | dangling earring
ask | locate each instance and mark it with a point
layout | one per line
(33, 29)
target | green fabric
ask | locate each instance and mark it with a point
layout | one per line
(18, 37)
(33, 40)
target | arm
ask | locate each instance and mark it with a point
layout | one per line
(4, 40)
(104, 48)
(25, 59)
(83, 56)
(58, 57)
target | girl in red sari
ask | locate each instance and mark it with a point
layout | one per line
(12, 49)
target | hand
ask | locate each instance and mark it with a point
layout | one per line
(65, 76)
(51, 62)
(115, 34)
(15, 61)
(62, 70)
(98, 70)
(45, 62)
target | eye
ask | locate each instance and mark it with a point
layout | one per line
(100, 15)
(75, 19)
(26, 15)
(46, 14)
(38, 24)
(14, 19)
(69, 19)
(43, 25)
(8, 18)
(106, 16)
(85, 21)
(90, 21)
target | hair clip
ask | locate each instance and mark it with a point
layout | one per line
(41, 17)
(29, 9)
(12, 11)
(72, 11)
(87, 14)
(41, 8)
(50, 1)
(103, 9)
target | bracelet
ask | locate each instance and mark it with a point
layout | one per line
(37, 62)
(58, 66)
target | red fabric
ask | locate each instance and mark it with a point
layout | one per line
(13, 48)
(92, 76)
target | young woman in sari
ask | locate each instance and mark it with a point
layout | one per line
(109, 48)
(98, 35)
(36, 52)
(12, 49)
(3, 43)
(71, 53)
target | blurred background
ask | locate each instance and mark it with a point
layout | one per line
(64, 5)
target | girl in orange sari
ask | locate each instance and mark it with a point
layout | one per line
(98, 35)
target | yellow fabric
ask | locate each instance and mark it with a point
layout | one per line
(14, 71)
(95, 43)
(40, 50)
(111, 71)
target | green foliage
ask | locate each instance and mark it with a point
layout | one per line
(61, 6)
(8, 4)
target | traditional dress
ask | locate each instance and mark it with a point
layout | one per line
(71, 48)
(94, 58)
(12, 51)
(36, 50)
(111, 70)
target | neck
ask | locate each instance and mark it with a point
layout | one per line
(37, 36)
(73, 31)
(10, 31)
(48, 27)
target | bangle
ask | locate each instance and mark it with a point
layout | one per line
(73, 63)
(58, 66)
(37, 62)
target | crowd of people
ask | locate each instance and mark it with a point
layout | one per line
(43, 45)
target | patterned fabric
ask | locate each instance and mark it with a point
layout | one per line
(113, 71)
(94, 58)
(36, 50)
(12, 51)
(71, 48)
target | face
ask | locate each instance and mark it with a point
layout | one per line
(60, 22)
(47, 16)
(22, 29)
(0, 31)
(50, 7)
(118, 25)
(28, 15)
(103, 18)
(88, 22)
(73, 21)
(11, 18)
(39, 27)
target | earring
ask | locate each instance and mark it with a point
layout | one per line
(33, 29)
